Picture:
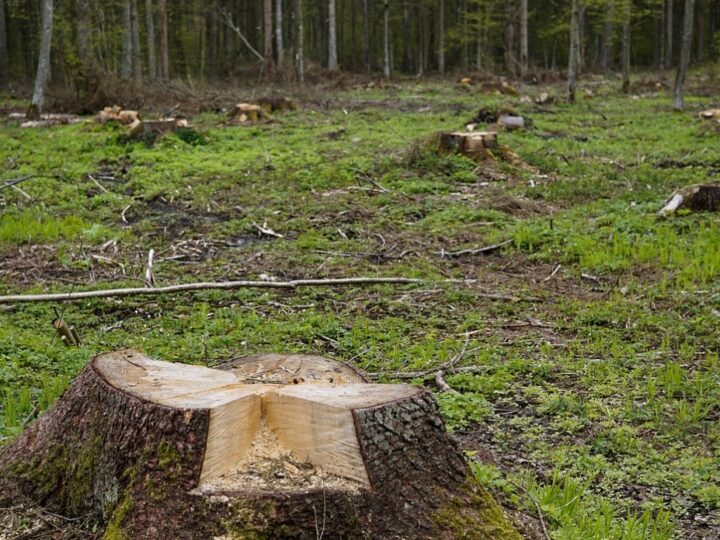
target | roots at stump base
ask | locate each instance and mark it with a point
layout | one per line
(271, 446)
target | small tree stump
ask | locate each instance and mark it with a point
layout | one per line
(248, 113)
(473, 144)
(697, 198)
(271, 446)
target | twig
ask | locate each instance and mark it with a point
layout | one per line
(22, 192)
(17, 180)
(537, 506)
(98, 184)
(209, 285)
(409, 375)
(264, 229)
(557, 269)
(442, 384)
(475, 251)
(365, 176)
(149, 276)
(590, 277)
(124, 211)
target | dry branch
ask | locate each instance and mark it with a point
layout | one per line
(475, 251)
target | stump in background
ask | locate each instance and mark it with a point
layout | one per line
(268, 447)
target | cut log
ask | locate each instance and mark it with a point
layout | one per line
(697, 198)
(710, 114)
(271, 104)
(248, 113)
(277, 446)
(472, 144)
(117, 114)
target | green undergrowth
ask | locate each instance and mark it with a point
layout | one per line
(591, 336)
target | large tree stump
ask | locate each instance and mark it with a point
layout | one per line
(272, 446)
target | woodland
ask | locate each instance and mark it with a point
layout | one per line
(360, 269)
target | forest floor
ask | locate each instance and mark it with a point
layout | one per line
(594, 331)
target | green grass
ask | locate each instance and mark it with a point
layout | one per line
(598, 397)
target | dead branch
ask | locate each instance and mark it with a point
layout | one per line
(476, 251)
(149, 275)
(210, 285)
(369, 179)
(442, 384)
(227, 19)
(267, 231)
(17, 180)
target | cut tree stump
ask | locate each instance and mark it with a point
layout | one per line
(269, 446)
(248, 113)
(697, 198)
(473, 144)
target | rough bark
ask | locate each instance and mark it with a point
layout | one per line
(43, 67)
(509, 53)
(332, 63)
(84, 33)
(150, 31)
(134, 467)
(669, 34)
(573, 53)
(523, 38)
(441, 36)
(268, 35)
(684, 54)
(3, 46)
(164, 47)
(299, 45)
(606, 44)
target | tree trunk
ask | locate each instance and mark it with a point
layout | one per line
(268, 36)
(606, 45)
(366, 35)
(510, 36)
(4, 62)
(299, 45)
(684, 53)
(669, 35)
(150, 30)
(136, 52)
(386, 39)
(626, 48)
(441, 36)
(279, 45)
(270, 446)
(164, 48)
(407, 64)
(332, 37)
(700, 41)
(523, 38)
(573, 53)
(84, 33)
(126, 64)
(43, 68)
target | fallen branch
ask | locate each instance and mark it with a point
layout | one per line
(442, 384)
(210, 285)
(11, 183)
(476, 251)
(365, 176)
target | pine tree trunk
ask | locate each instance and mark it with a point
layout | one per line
(366, 35)
(685, 50)
(700, 41)
(136, 51)
(510, 36)
(43, 67)
(299, 45)
(84, 33)
(164, 46)
(126, 64)
(332, 37)
(626, 48)
(386, 39)
(606, 45)
(150, 30)
(4, 61)
(669, 35)
(573, 53)
(268, 36)
(154, 450)
(523, 38)
(407, 64)
(279, 45)
(441, 36)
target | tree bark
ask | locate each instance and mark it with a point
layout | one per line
(84, 33)
(669, 35)
(299, 45)
(684, 54)
(164, 48)
(510, 36)
(4, 61)
(126, 64)
(279, 45)
(386, 39)
(523, 38)
(407, 64)
(150, 30)
(43, 67)
(441, 36)
(332, 37)
(366, 35)
(573, 53)
(136, 52)
(700, 41)
(627, 20)
(135, 445)
(268, 36)
(606, 44)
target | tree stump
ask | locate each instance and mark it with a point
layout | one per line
(696, 198)
(270, 446)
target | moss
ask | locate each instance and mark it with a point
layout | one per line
(475, 516)
(113, 531)
(251, 521)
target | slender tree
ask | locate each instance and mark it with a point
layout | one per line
(4, 63)
(684, 53)
(164, 39)
(299, 45)
(441, 36)
(332, 63)
(574, 50)
(386, 39)
(84, 33)
(510, 36)
(268, 35)
(366, 34)
(279, 45)
(43, 66)
(136, 52)
(627, 21)
(126, 63)
(523, 38)
(150, 36)
(606, 43)
(669, 34)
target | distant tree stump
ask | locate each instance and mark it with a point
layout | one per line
(696, 198)
(271, 446)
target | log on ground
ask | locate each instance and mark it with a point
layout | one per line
(278, 446)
